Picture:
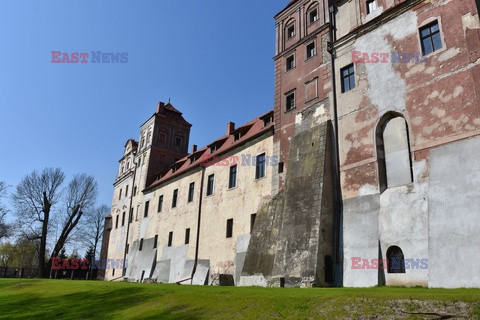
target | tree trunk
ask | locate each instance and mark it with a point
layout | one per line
(42, 271)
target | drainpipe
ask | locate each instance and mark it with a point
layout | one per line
(337, 185)
(129, 215)
(198, 223)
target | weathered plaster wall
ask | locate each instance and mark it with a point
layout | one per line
(439, 101)
(454, 215)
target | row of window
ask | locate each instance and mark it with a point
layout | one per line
(228, 233)
(312, 17)
(310, 52)
(260, 171)
(430, 39)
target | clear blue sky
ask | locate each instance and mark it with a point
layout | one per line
(212, 58)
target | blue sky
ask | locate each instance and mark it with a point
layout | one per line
(212, 58)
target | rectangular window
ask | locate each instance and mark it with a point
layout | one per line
(290, 101)
(371, 6)
(174, 198)
(313, 16)
(348, 78)
(113, 272)
(160, 203)
(127, 248)
(290, 63)
(280, 167)
(126, 191)
(155, 241)
(187, 236)
(140, 247)
(116, 222)
(260, 166)
(311, 50)
(290, 31)
(120, 195)
(229, 228)
(135, 191)
(210, 185)
(170, 238)
(123, 218)
(145, 214)
(253, 216)
(131, 215)
(178, 141)
(430, 38)
(232, 181)
(191, 190)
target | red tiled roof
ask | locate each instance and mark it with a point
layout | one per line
(249, 131)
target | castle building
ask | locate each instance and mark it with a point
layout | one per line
(365, 172)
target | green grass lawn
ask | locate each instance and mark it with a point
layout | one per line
(64, 299)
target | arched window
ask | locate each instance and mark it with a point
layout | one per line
(396, 261)
(393, 152)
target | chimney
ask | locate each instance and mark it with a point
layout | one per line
(230, 128)
(160, 107)
(194, 148)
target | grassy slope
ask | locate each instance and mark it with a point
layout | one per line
(63, 299)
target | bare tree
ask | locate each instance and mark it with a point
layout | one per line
(95, 224)
(33, 199)
(4, 227)
(81, 194)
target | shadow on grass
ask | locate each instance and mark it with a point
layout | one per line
(85, 305)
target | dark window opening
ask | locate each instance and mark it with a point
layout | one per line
(116, 222)
(229, 228)
(187, 236)
(210, 185)
(191, 190)
(290, 63)
(232, 181)
(170, 238)
(348, 78)
(267, 121)
(290, 32)
(280, 167)
(127, 248)
(396, 261)
(120, 195)
(328, 269)
(313, 16)
(135, 190)
(174, 198)
(430, 38)
(113, 272)
(140, 247)
(123, 218)
(290, 101)
(178, 141)
(145, 214)
(310, 50)
(131, 215)
(260, 166)
(371, 6)
(126, 191)
(155, 241)
(253, 216)
(160, 203)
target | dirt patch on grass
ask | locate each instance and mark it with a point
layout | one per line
(411, 309)
(21, 285)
